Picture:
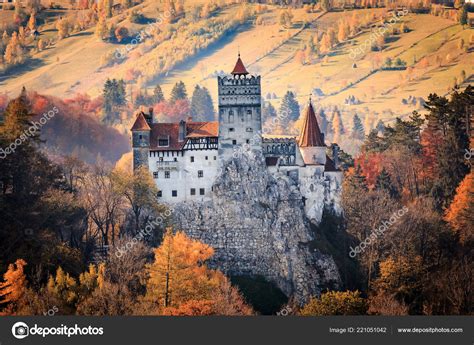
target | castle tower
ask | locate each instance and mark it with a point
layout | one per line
(311, 140)
(240, 121)
(140, 141)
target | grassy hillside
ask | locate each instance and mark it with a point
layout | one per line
(195, 52)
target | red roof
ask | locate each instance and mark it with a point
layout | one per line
(140, 123)
(171, 130)
(239, 68)
(310, 133)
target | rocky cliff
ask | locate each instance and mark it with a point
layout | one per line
(257, 226)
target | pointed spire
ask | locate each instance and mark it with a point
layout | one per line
(140, 123)
(239, 68)
(310, 133)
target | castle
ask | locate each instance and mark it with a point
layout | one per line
(185, 158)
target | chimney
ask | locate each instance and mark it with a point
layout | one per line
(335, 155)
(150, 111)
(182, 131)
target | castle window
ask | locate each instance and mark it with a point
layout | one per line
(167, 174)
(247, 141)
(140, 136)
(175, 159)
(163, 142)
(201, 191)
(249, 129)
(231, 130)
(215, 157)
(160, 159)
(207, 158)
(192, 159)
(249, 112)
(234, 142)
(155, 174)
(174, 193)
(193, 191)
(200, 173)
(159, 194)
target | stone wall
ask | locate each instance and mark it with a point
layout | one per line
(257, 225)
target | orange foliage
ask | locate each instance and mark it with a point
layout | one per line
(371, 166)
(430, 142)
(14, 286)
(173, 112)
(460, 214)
(191, 308)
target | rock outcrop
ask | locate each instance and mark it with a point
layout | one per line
(257, 225)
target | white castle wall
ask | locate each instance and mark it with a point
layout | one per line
(184, 174)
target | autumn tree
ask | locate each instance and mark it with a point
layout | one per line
(460, 214)
(180, 283)
(336, 303)
(285, 18)
(14, 53)
(32, 22)
(13, 288)
(63, 28)
(63, 289)
(139, 192)
(101, 29)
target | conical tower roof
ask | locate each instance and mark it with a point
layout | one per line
(239, 68)
(310, 134)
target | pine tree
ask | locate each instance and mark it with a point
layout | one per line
(268, 111)
(384, 182)
(158, 95)
(178, 92)
(202, 108)
(357, 128)
(290, 109)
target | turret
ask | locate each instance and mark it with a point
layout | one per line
(311, 140)
(140, 141)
